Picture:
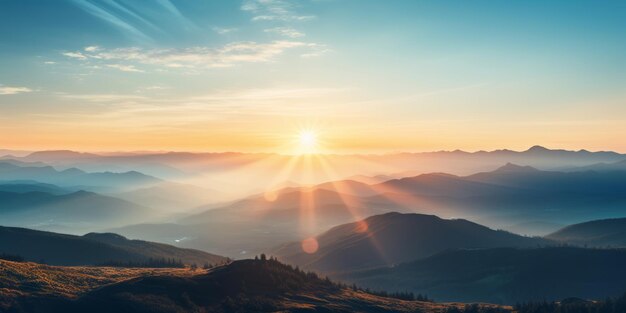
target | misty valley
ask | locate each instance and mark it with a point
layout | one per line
(498, 229)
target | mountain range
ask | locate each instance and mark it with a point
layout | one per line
(215, 170)
(530, 201)
(73, 177)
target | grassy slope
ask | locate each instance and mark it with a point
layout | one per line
(265, 286)
(39, 280)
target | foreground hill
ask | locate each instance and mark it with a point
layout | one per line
(601, 233)
(392, 238)
(92, 249)
(506, 275)
(20, 281)
(242, 286)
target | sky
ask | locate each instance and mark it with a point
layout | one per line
(365, 76)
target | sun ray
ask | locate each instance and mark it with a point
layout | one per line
(361, 225)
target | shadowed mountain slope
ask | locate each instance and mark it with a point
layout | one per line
(92, 249)
(505, 275)
(600, 233)
(393, 238)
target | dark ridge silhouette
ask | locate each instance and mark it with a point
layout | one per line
(92, 249)
(505, 275)
(568, 305)
(392, 238)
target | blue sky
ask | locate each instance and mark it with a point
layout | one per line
(245, 75)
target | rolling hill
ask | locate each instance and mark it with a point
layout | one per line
(393, 238)
(600, 233)
(242, 286)
(21, 282)
(92, 249)
(505, 275)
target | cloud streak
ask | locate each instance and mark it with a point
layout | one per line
(274, 10)
(111, 18)
(196, 57)
(285, 31)
(125, 68)
(8, 90)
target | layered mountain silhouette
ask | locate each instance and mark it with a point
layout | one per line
(80, 210)
(393, 238)
(183, 164)
(506, 275)
(93, 249)
(73, 177)
(602, 167)
(510, 195)
(600, 233)
(23, 186)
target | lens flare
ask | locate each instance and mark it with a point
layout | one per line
(310, 245)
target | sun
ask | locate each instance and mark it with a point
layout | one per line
(307, 140)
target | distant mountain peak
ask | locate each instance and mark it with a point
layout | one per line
(514, 168)
(60, 154)
(537, 148)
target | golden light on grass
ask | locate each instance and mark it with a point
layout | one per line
(310, 245)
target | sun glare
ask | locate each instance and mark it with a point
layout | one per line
(308, 141)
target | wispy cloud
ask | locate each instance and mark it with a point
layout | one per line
(285, 31)
(224, 30)
(274, 10)
(196, 57)
(125, 68)
(75, 55)
(8, 90)
(104, 97)
(110, 17)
